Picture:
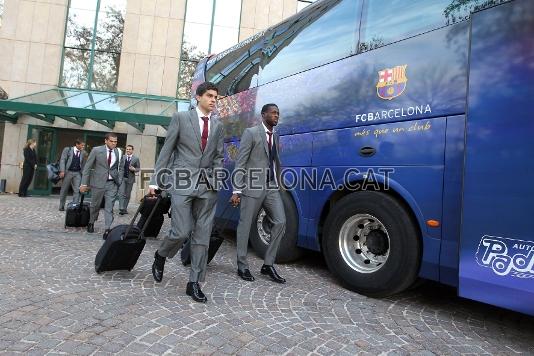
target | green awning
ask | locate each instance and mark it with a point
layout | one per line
(106, 108)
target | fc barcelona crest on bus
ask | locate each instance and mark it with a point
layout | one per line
(391, 82)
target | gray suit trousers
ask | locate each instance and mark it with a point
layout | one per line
(272, 203)
(109, 192)
(191, 216)
(125, 191)
(71, 179)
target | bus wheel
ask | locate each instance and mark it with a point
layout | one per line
(260, 233)
(371, 244)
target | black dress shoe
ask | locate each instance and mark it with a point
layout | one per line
(91, 228)
(246, 275)
(157, 267)
(106, 233)
(271, 272)
(62, 209)
(193, 290)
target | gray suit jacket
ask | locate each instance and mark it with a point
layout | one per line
(254, 154)
(66, 159)
(136, 163)
(183, 144)
(96, 170)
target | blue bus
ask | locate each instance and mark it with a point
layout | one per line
(426, 105)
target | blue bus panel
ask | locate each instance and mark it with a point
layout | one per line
(497, 241)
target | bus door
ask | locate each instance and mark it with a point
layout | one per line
(497, 235)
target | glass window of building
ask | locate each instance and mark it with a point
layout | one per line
(211, 26)
(301, 4)
(93, 43)
(1, 11)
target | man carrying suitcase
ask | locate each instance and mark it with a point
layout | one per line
(102, 174)
(71, 164)
(258, 151)
(196, 139)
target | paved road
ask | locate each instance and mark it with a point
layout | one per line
(52, 302)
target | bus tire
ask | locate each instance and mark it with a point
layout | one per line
(288, 251)
(371, 244)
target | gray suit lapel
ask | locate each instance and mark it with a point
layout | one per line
(117, 159)
(263, 134)
(213, 128)
(193, 117)
(104, 153)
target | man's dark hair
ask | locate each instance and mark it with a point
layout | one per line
(267, 106)
(204, 87)
(110, 135)
(79, 141)
(130, 146)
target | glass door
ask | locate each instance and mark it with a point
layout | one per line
(46, 138)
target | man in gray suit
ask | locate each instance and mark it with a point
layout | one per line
(195, 139)
(102, 174)
(257, 182)
(71, 164)
(131, 165)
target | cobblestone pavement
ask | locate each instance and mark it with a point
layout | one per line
(52, 301)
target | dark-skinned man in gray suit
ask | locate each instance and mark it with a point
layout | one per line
(194, 143)
(102, 174)
(257, 182)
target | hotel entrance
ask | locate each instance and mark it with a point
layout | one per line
(50, 144)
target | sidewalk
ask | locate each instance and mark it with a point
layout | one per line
(52, 301)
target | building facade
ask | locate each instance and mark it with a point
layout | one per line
(146, 48)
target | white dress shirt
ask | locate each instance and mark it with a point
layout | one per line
(113, 158)
(201, 122)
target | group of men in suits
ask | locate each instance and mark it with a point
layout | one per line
(107, 172)
(194, 143)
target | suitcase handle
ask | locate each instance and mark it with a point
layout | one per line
(159, 197)
(81, 201)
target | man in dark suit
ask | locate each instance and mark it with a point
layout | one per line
(257, 169)
(102, 174)
(196, 140)
(131, 165)
(71, 165)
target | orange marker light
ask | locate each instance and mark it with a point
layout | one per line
(432, 223)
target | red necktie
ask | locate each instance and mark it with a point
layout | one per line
(204, 140)
(270, 141)
(109, 158)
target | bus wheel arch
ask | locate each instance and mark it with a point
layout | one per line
(288, 250)
(372, 243)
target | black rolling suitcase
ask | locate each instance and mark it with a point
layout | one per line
(216, 241)
(153, 227)
(77, 214)
(123, 246)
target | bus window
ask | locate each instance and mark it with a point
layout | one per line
(387, 21)
(236, 69)
(322, 33)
